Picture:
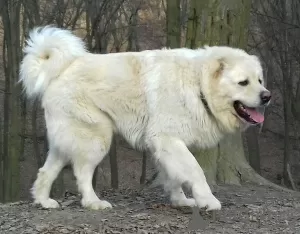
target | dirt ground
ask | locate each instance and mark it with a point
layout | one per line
(247, 209)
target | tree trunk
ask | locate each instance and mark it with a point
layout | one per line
(12, 49)
(23, 128)
(114, 164)
(58, 188)
(46, 146)
(34, 134)
(253, 154)
(94, 180)
(144, 167)
(173, 23)
(287, 112)
(213, 23)
(1, 161)
(193, 22)
(287, 99)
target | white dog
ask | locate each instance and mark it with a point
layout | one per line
(165, 101)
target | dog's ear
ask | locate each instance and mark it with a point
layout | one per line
(218, 67)
(221, 68)
(215, 67)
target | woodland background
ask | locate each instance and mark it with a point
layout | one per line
(269, 29)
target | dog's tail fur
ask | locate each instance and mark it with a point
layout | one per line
(48, 52)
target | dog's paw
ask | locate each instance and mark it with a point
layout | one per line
(48, 203)
(213, 204)
(184, 202)
(210, 202)
(96, 205)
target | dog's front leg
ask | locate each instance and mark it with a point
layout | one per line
(180, 166)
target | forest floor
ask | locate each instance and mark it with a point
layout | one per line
(246, 209)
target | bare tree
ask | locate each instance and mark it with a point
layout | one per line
(133, 43)
(99, 15)
(11, 58)
(278, 38)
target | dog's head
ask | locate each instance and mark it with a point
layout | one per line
(236, 88)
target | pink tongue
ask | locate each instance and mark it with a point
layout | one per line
(256, 116)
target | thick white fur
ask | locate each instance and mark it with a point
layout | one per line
(152, 98)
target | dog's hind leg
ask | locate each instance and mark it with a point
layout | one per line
(83, 172)
(46, 175)
(174, 158)
(84, 162)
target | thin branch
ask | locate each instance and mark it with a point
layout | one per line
(291, 177)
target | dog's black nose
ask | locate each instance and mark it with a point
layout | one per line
(265, 97)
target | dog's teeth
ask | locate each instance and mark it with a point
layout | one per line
(241, 107)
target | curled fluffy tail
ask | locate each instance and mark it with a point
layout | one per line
(48, 52)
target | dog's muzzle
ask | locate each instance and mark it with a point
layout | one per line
(265, 97)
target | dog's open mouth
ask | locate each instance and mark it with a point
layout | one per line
(249, 114)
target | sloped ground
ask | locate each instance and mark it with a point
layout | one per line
(247, 209)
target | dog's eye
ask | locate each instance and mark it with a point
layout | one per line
(244, 83)
(260, 81)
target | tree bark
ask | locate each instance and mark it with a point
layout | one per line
(253, 148)
(12, 48)
(144, 167)
(173, 23)
(23, 128)
(1, 161)
(193, 22)
(287, 101)
(95, 176)
(114, 164)
(34, 126)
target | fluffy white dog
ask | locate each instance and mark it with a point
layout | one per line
(164, 101)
